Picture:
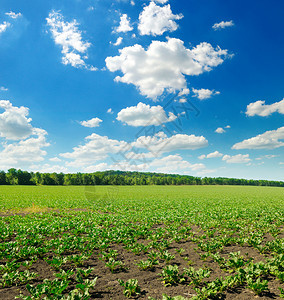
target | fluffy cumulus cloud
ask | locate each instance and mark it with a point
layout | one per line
(160, 143)
(267, 140)
(214, 154)
(203, 94)
(144, 115)
(132, 156)
(94, 122)
(185, 91)
(21, 142)
(173, 164)
(118, 41)
(4, 26)
(13, 15)
(21, 154)
(163, 65)
(211, 155)
(124, 25)
(3, 89)
(68, 36)
(14, 121)
(222, 25)
(259, 108)
(220, 130)
(155, 20)
(236, 159)
(96, 148)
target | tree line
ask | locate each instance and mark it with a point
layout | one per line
(19, 177)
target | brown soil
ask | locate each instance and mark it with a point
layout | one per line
(107, 286)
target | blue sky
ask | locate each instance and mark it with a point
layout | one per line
(189, 87)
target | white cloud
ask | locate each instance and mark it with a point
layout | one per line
(197, 167)
(55, 159)
(268, 156)
(267, 140)
(15, 125)
(14, 121)
(47, 168)
(206, 172)
(173, 164)
(214, 154)
(223, 25)
(161, 1)
(163, 65)
(13, 15)
(203, 94)
(281, 163)
(132, 2)
(185, 91)
(122, 166)
(94, 122)
(228, 126)
(4, 26)
(155, 20)
(124, 25)
(3, 89)
(96, 168)
(144, 115)
(160, 143)
(211, 155)
(118, 41)
(140, 156)
(128, 166)
(24, 152)
(236, 159)
(69, 37)
(220, 130)
(96, 148)
(109, 111)
(259, 108)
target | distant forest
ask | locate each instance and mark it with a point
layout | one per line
(19, 177)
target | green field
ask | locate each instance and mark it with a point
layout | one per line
(199, 242)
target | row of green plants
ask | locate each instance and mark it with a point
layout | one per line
(157, 233)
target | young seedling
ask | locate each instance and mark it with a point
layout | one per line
(148, 264)
(197, 276)
(167, 256)
(258, 286)
(171, 275)
(115, 265)
(131, 287)
(180, 251)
